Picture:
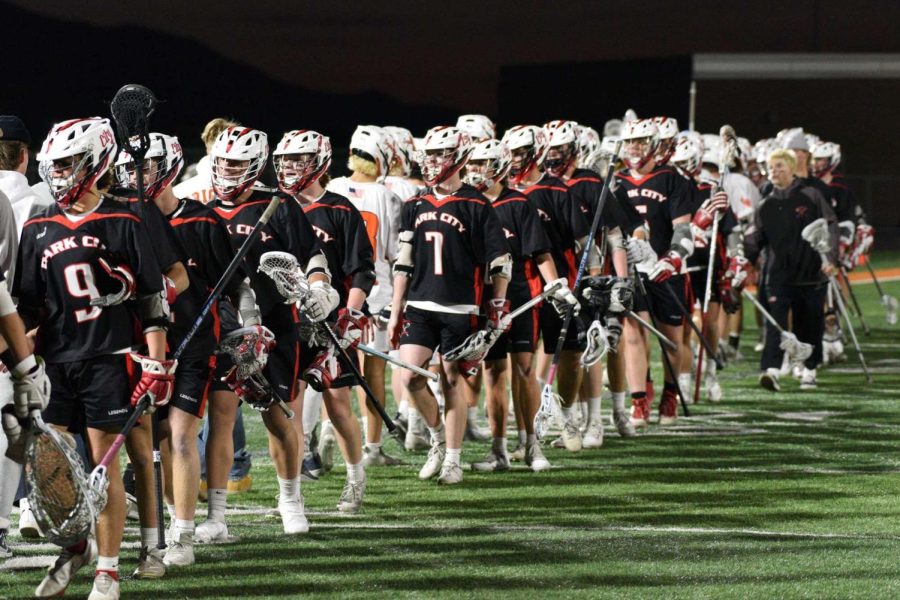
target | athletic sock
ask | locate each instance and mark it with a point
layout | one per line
(734, 340)
(452, 456)
(594, 415)
(171, 509)
(638, 396)
(373, 447)
(499, 445)
(472, 415)
(522, 436)
(618, 399)
(185, 525)
(288, 489)
(216, 498)
(149, 537)
(567, 413)
(438, 434)
(110, 564)
(404, 407)
(355, 473)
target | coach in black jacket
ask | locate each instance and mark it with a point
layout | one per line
(795, 280)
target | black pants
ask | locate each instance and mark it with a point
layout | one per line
(806, 305)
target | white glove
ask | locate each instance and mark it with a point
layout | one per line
(639, 251)
(16, 435)
(562, 297)
(319, 302)
(31, 386)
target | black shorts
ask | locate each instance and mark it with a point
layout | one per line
(308, 355)
(444, 331)
(193, 379)
(523, 333)
(93, 393)
(698, 288)
(551, 327)
(665, 309)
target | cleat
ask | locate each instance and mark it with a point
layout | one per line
(451, 474)
(493, 461)
(236, 486)
(668, 408)
(180, 552)
(474, 433)
(518, 455)
(571, 437)
(312, 464)
(28, 527)
(713, 389)
(558, 443)
(378, 458)
(131, 507)
(293, 515)
(808, 379)
(63, 570)
(769, 380)
(433, 464)
(150, 564)
(593, 437)
(415, 441)
(306, 475)
(686, 385)
(640, 412)
(327, 442)
(5, 551)
(211, 532)
(352, 496)
(622, 422)
(106, 587)
(534, 458)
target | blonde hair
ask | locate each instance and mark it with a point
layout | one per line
(787, 156)
(213, 129)
(358, 164)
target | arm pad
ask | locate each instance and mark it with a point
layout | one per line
(364, 280)
(847, 230)
(317, 264)
(501, 267)
(246, 304)
(7, 306)
(405, 263)
(682, 240)
(154, 311)
(615, 239)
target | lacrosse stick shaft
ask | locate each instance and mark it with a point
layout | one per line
(400, 363)
(843, 310)
(704, 343)
(704, 313)
(158, 485)
(113, 451)
(659, 334)
(762, 310)
(856, 307)
(874, 278)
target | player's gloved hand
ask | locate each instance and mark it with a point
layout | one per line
(737, 272)
(169, 289)
(321, 300)
(125, 276)
(621, 295)
(263, 344)
(248, 389)
(561, 298)
(31, 386)
(639, 251)
(497, 310)
(350, 326)
(383, 317)
(613, 333)
(157, 380)
(729, 297)
(15, 434)
(666, 267)
(704, 217)
(865, 238)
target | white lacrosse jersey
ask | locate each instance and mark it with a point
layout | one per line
(380, 210)
(199, 187)
(401, 187)
(743, 195)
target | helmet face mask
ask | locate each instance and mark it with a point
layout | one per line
(559, 159)
(489, 164)
(528, 145)
(640, 141)
(238, 156)
(826, 156)
(445, 152)
(162, 164)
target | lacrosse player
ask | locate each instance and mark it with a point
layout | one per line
(301, 159)
(84, 250)
(449, 235)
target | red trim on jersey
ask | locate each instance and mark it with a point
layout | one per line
(229, 214)
(293, 392)
(430, 199)
(536, 326)
(508, 200)
(205, 395)
(73, 225)
(569, 256)
(538, 186)
(643, 179)
(689, 298)
(309, 207)
(533, 278)
(217, 323)
(185, 220)
(838, 185)
(572, 182)
(479, 286)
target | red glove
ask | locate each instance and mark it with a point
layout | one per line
(729, 296)
(350, 325)
(703, 219)
(865, 237)
(666, 267)
(737, 272)
(157, 380)
(248, 389)
(124, 276)
(169, 289)
(496, 310)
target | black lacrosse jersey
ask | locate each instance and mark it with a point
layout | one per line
(843, 201)
(454, 239)
(585, 186)
(525, 237)
(700, 193)
(660, 196)
(58, 274)
(344, 239)
(563, 220)
(166, 244)
(287, 231)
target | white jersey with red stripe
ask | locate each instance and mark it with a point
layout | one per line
(380, 210)
(401, 187)
(199, 187)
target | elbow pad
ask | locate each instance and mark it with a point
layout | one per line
(501, 267)
(847, 230)
(404, 263)
(579, 244)
(154, 311)
(593, 261)
(364, 280)
(317, 264)
(7, 306)
(246, 304)
(682, 240)
(615, 239)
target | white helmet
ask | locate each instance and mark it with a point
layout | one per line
(687, 155)
(588, 148)
(761, 151)
(450, 148)
(498, 161)
(237, 144)
(712, 149)
(826, 150)
(90, 147)
(745, 149)
(668, 131)
(531, 138)
(372, 143)
(633, 154)
(613, 128)
(811, 140)
(561, 133)
(404, 147)
(164, 147)
(793, 139)
(297, 174)
(479, 127)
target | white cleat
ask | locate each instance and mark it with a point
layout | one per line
(150, 564)
(28, 527)
(211, 532)
(808, 379)
(293, 515)
(327, 442)
(106, 587)
(621, 420)
(593, 437)
(60, 575)
(494, 461)
(686, 385)
(379, 458)
(180, 552)
(571, 436)
(518, 455)
(535, 459)
(451, 474)
(769, 380)
(352, 496)
(713, 389)
(433, 464)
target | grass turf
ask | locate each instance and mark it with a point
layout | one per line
(790, 495)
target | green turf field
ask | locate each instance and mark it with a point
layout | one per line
(794, 495)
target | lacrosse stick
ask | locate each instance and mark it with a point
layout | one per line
(891, 305)
(597, 345)
(64, 506)
(649, 327)
(239, 346)
(400, 363)
(856, 307)
(284, 271)
(98, 479)
(817, 235)
(549, 399)
(796, 350)
(704, 343)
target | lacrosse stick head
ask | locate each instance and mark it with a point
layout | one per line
(729, 149)
(64, 506)
(131, 108)
(597, 345)
(796, 350)
(242, 347)
(284, 271)
(547, 412)
(473, 347)
(816, 234)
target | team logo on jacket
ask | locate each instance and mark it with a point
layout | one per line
(800, 211)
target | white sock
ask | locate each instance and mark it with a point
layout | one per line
(171, 509)
(403, 408)
(593, 405)
(522, 436)
(618, 399)
(288, 489)
(355, 473)
(373, 446)
(472, 414)
(453, 455)
(567, 413)
(184, 525)
(108, 563)
(709, 367)
(149, 537)
(216, 507)
(499, 445)
(312, 409)
(438, 434)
